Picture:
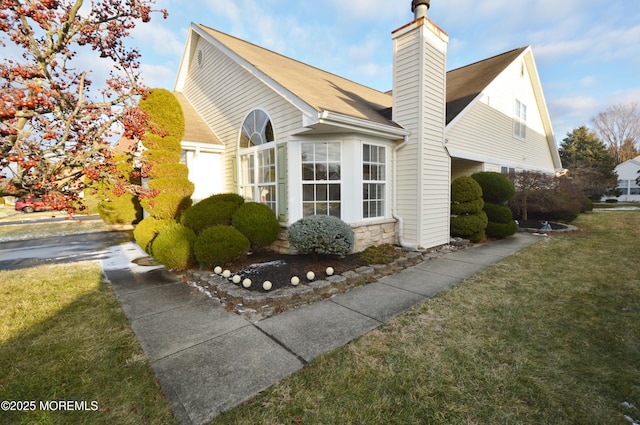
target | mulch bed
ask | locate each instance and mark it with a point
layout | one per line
(278, 268)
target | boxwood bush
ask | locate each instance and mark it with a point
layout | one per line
(173, 246)
(468, 220)
(212, 211)
(470, 226)
(322, 234)
(257, 222)
(147, 230)
(496, 187)
(218, 245)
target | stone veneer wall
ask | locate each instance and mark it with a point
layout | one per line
(366, 234)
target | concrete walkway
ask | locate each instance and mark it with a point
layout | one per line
(209, 360)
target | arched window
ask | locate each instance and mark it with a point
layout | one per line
(257, 153)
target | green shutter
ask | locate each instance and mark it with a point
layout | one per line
(282, 183)
(234, 172)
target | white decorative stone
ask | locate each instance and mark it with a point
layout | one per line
(226, 273)
(246, 283)
(266, 285)
(311, 275)
(217, 270)
(236, 279)
(295, 281)
(329, 271)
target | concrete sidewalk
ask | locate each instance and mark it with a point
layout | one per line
(209, 360)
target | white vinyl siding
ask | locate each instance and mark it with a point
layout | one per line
(485, 131)
(423, 166)
(224, 94)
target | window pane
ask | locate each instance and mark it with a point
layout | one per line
(321, 152)
(307, 152)
(308, 192)
(366, 172)
(321, 172)
(322, 209)
(366, 152)
(334, 192)
(334, 152)
(308, 208)
(321, 192)
(334, 209)
(307, 172)
(334, 171)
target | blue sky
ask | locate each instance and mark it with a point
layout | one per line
(587, 51)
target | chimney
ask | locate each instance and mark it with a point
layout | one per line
(419, 8)
(419, 92)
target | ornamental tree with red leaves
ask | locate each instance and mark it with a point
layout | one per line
(55, 124)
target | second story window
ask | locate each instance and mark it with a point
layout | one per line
(520, 120)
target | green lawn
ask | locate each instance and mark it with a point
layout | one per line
(548, 336)
(63, 336)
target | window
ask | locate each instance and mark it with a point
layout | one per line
(507, 170)
(373, 181)
(258, 160)
(321, 174)
(520, 120)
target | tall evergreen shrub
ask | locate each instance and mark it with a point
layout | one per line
(468, 220)
(497, 190)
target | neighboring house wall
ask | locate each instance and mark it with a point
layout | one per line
(628, 172)
(485, 131)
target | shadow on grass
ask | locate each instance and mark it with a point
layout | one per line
(85, 352)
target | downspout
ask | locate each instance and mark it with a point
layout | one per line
(394, 207)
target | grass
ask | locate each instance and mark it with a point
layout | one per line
(549, 335)
(63, 336)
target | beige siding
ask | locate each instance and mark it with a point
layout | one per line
(485, 132)
(224, 93)
(406, 99)
(423, 175)
(435, 160)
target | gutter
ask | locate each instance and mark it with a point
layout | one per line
(394, 206)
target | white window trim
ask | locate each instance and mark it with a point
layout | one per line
(520, 122)
(385, 182)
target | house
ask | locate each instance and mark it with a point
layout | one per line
(305, 141)
(628, 175)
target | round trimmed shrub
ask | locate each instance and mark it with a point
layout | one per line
(501, 230)
(465, 189)
(158, 156)
(322, 234)
(174, 186)
(158, 142)
(164, 112)
(498, 213)
(122, 209)
(173, 246)
(147, 230)
(496, 187)
(218, 245)
(212, 211)
(470, 226)
(166, 206)
(257, 222)
(169, 171)
(469, 207)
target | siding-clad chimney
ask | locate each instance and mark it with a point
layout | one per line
(419, 92)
